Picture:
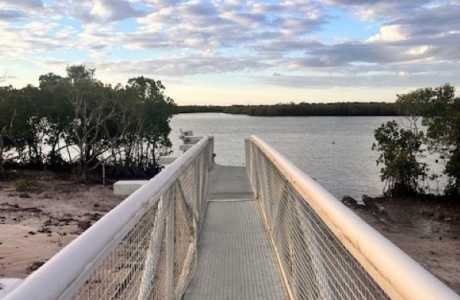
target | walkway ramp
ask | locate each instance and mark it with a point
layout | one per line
(235, 256)
(229, 182)
(195, 231)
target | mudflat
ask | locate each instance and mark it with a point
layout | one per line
(37, 222)
(427, 230)
(41, 216)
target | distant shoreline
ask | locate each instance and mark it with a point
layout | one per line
(358, 109)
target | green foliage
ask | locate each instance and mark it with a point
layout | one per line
(399, 149)
(441, 117)
(78, 122)
(14, 108)
(26, 185)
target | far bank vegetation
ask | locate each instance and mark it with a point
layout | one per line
(300, 109)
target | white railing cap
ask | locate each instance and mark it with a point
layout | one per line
(56, 278)
(407, 278)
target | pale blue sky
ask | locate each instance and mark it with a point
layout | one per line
(239, 52)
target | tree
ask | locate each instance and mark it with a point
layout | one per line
(153, 111)
(399, 149)
(7, 121)
(57, 108)
(441, 117)
(124, 127)
(92, 106)
(32, 123)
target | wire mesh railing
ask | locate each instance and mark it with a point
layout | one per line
(145, 248)
(324, 250)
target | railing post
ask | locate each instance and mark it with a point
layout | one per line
(153, 253)
(320, 285)
(197, 183)
(210, 149)
(121, 254)
(170, 245)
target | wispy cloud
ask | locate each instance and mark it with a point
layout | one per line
(412, 43)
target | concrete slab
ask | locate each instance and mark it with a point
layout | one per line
(229, 182)
(166, 160)
(235, 258)
(127, 187)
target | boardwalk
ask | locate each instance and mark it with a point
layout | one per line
(235, 257)
(195, 231)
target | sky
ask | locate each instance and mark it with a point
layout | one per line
(239, 52)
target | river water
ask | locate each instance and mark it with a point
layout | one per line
(335, 151)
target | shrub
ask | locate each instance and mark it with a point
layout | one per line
(440, 110)
(79, 122)
(25, 185)
(399, 149)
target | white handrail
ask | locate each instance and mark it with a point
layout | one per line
(396, 273)
(65, 273)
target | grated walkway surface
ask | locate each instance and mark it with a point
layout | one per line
(235, 258)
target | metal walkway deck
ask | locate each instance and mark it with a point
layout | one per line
(195, 231)
(235, 256)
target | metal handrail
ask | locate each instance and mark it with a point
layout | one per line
(65, 273)
(393, 270)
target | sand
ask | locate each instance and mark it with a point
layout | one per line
(35, 225)
(429, 232)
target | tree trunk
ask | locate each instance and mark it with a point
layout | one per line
(84, 174)
(2, 168)
(82, 163)
(83, 169)
(155, 165)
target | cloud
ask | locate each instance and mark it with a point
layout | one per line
(182, 66)
(9, 15)
(114, 10)
(408, 40)
(40, 36)
(356, 52)
(430, 21)
(210, 25)
(429, 33)
(380, 9)
(26, 4)
(389, 33)
(375, 79)
(100, 11)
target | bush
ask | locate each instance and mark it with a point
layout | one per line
(440, 110)
(25, 185)
(399, 149)
(77, 122)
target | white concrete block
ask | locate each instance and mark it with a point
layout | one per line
(7, 285)
(184, 133)
(192, 139)
(127, 187)
(185, 147)
(166, 160)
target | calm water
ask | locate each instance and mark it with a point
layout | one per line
(336, 151)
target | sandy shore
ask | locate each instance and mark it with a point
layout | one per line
(428, 231)
(36, 224)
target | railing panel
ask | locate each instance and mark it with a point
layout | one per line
(145, 248)
(325, 251)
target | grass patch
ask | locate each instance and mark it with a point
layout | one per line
(26, 185)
